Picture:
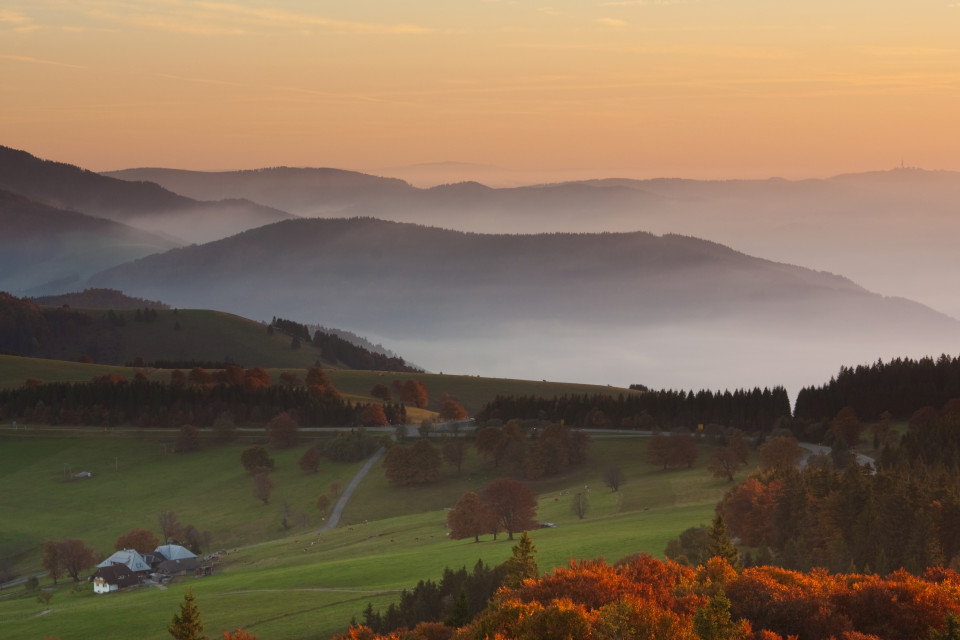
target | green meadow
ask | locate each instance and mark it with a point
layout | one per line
(276, 583)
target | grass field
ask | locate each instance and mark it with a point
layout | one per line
(276, 589)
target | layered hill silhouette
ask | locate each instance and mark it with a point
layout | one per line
(450, 292)
(144, 205)
(888, 230)
(43, 248)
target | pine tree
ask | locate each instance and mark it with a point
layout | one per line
(523, 563)
(721, 545)
(460, 615)
(187, 625)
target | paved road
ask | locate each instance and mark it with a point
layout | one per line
(820, 449)
(334, 518)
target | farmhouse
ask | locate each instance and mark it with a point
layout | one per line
(128, 558)
(179, 560)
(113, 577)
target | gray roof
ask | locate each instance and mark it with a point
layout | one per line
(175, 552)
(128, 557)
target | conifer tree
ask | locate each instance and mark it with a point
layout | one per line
(721, 545)
(522, 564)
(187, 625)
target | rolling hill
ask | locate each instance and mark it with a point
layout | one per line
(671, 310)
(144, 205)
(43, 248)
(888, 230)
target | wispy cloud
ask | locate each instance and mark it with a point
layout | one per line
(17, 20)
(29, 60)
(616, 23)
(226, 18)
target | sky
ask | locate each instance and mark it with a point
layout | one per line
(544, 89)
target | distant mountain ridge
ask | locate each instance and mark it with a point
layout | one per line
(140, 204)
(888, 230)
(43, 248)
(440, 291)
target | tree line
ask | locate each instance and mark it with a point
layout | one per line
(899, 387)
(112, 400)
(749, 410)
(642, 597)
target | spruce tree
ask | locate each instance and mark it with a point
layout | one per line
(187, 625)
(721, 545)
(523, 563)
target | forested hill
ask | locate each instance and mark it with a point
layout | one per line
(144, 205)
(43, 247)
(154, 335)
(458, 297)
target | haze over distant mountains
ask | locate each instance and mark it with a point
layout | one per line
(143, 205)
(645, 304)
(555, 306)
(890, 231)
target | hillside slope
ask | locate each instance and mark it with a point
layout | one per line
(45, 249)
(890, 231)
(671, 301)
(144, 205)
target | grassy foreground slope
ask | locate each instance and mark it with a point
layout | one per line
(279, 591)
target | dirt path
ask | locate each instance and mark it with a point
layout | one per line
(334, 518)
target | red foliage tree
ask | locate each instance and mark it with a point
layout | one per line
(450, 409)
(471, 518)
(780, 453)
(141, 539)
(283, 431)
(310, 460)
(513, 503)
(75, 556)
(413, 392)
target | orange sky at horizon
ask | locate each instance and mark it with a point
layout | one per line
(551, 90)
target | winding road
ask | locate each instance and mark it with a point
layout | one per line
(334, 518)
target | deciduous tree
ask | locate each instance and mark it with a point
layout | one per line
(262, 487)
(310, 460)
(413, 392)
(382, 392)
(580, 504)
(256, 457)
(455, 452)
(283, 431)
(470, 518)
(451, 410)
(613, 478)
(323, 503)
(169, 524)
(188, 439)
(373, 415)
(513, 503)
(51, 559)
(140, 539)
(780, 453)
(75, 556)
